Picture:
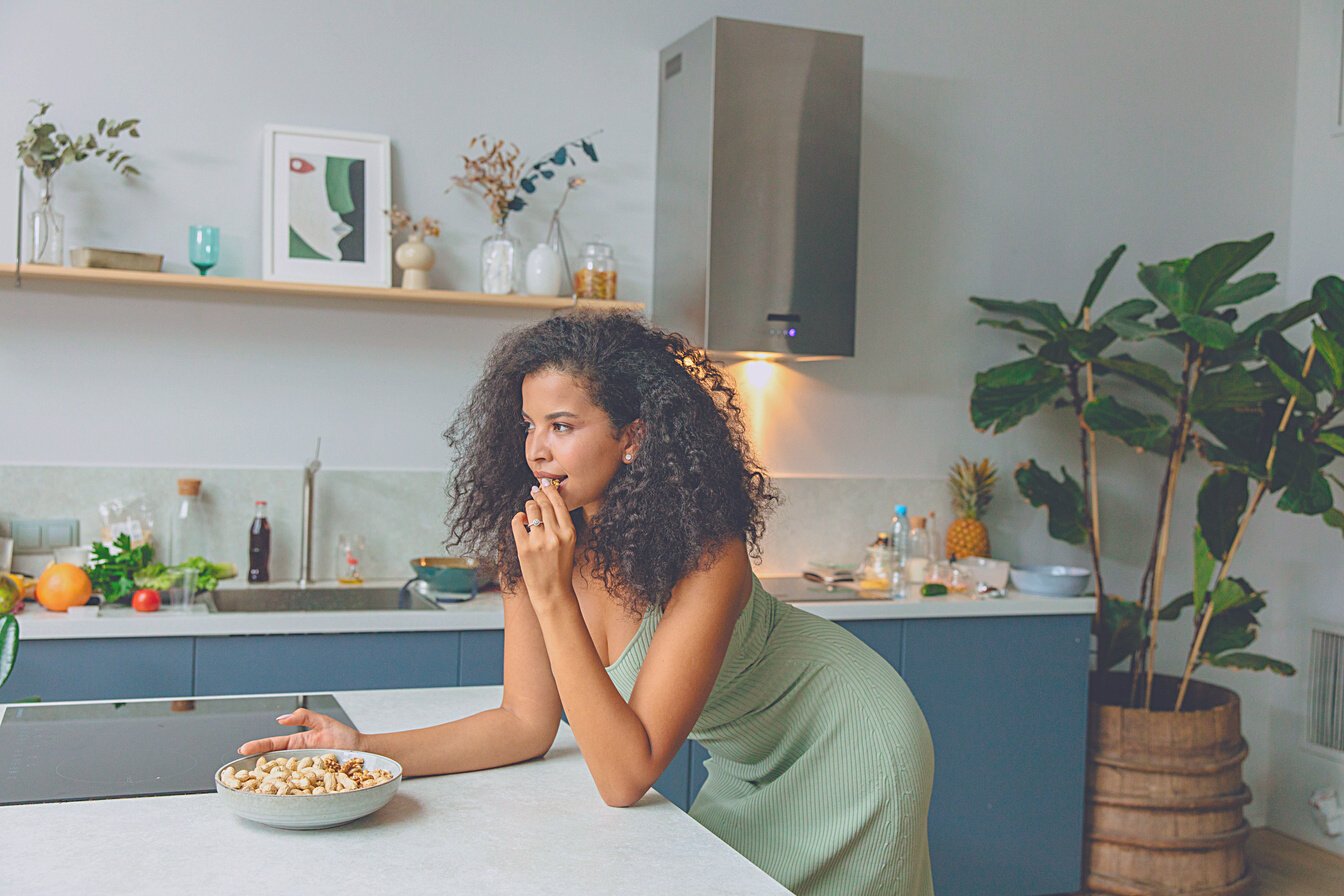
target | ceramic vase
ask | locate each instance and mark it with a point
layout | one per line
(542, 273)
(415, 258)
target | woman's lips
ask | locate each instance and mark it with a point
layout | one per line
(549, 480)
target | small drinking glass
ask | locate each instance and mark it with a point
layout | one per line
(349, 552)
(182, 593)
(204, 247)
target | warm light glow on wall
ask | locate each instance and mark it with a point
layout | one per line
(758, 374)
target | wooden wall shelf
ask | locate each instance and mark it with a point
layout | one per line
(40, 274)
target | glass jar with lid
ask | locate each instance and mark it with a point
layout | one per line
(595, 277)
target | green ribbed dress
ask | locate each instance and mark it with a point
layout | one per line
(821, 764)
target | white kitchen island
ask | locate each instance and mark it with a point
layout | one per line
(535, 828)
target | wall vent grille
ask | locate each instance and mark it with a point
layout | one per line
(1325, 724)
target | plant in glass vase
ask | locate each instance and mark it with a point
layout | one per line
(44, 149)
(414, 257)
(500, 176)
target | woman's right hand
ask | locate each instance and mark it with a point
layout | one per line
(323, 732)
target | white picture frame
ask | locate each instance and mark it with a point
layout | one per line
(324, 198)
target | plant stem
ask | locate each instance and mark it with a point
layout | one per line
(1090, 473)
(1226, 564)
(1189, 379)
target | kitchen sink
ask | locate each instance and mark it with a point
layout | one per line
(290, 600)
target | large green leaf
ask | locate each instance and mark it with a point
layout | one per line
(1047, 314)
(1222, 500)
(1211, 269)
(1232, 630)
(1124, 626)
(1232, 388)
(1004, 395)
(1328, 295)
(1332, 439)
(1149, 432)
(1286, 363)
(1166, 284)
(1244, 289)
(1231, 594)
(1098, 281)
(1062, 498)
(1173, 610)
(1203, 570)
(1250, 662)
(1279, 320)
(1016, 326)
(1209, 332)
(9, 645)
(1123, 320)
(1246, 435)
(1334, 518)
(1331, 349)
(1149, 376)
(1297, 471)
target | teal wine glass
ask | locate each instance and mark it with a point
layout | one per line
(204, 247)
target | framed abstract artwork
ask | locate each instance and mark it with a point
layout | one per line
(323, 203)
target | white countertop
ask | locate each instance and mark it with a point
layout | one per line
(486, 612)
(537, 827)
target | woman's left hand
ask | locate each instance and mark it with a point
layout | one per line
(545, 551)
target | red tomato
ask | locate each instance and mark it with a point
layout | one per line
(146, 600)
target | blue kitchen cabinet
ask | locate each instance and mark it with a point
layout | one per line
(1006, 703)
(262, 664)
(100, 669)
(481, 661)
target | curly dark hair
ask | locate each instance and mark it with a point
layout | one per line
(694, 485)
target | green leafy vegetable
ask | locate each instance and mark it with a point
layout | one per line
(112, 568)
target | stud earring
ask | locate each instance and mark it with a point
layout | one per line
(629, 457)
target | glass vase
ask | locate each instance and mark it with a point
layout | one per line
(501, 263)
(46, 231)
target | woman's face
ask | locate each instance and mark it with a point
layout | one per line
(571, 439)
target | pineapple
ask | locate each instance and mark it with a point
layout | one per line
(972, 487)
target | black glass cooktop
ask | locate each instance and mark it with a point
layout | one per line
(90, 751)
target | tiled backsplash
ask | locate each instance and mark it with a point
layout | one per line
(401, 514)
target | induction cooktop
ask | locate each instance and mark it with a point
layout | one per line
(91, 751)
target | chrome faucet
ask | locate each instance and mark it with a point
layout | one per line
(306, 521)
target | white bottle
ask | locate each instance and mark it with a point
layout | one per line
(542, 272)
(917, 557)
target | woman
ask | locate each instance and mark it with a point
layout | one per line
(604, 462)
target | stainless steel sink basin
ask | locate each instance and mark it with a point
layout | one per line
(289, 600)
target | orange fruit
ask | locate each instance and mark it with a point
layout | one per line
(62, 586)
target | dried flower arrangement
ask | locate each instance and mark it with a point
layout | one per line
(401, 222)
(496, 174)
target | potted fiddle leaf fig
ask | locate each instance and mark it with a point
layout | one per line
(1257, 410)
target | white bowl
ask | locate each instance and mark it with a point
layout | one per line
(1051, 581)
(982, 570)
(306, 813)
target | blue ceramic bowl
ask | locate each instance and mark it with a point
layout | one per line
(1051, 581)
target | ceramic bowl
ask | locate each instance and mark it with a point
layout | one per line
(305, 813)
(456, 574)
(982, 570)
(1051, 581)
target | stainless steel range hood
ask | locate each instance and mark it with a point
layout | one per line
(757, 211)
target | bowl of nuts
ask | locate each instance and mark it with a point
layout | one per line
(304, 790)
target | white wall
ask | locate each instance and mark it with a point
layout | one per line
(1007, 147)
(1306, 553)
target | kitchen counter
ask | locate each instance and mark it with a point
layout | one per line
(486, 613)
(537, 827)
